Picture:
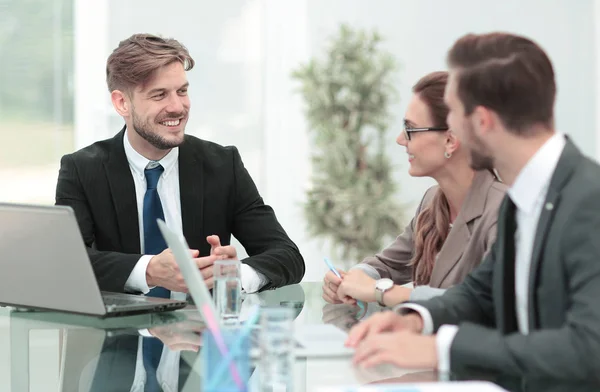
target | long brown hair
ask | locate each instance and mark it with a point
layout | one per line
(433, 223)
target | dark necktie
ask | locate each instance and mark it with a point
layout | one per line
(510, 297)
(154, 243)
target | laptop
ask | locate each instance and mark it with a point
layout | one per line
(45, 266)
(317, 340)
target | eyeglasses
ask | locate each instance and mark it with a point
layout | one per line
(409, 130)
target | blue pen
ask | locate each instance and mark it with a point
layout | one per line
(361, 304)
(237, 346)
(332, 268)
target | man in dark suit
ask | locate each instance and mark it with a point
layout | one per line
(531, 308)
(151, 169)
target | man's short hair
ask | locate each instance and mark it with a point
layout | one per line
(138, 57)
(508, 74)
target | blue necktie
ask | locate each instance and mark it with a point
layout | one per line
(154, 243)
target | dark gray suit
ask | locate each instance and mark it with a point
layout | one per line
(564, 289)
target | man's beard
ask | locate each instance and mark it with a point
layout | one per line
(481, 162)
(479, 159)
(144, 129)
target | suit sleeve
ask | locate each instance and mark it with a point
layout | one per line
(571, 352)
(271, 252)
(112, 269)
(394, 261)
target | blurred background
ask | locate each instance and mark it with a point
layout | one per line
(54, 100)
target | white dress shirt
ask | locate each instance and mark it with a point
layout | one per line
(168, 191)
(528, 193)
(167, 372)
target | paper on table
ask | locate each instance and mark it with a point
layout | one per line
(458, 386)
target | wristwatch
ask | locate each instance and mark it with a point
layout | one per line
(381, 286)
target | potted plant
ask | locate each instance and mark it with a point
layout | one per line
(351, 202)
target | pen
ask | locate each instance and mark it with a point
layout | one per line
(361, 304)
(332, 268)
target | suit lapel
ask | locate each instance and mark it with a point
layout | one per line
(454, 246)
(541, 232)
(191, 177)
(569, 159)
(450, 253)
(499, 279)
(122, 191)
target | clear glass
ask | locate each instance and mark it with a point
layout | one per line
(277, 343)
(228, 291)
(226, 373)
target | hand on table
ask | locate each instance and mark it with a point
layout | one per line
(403, 348)
(388, 321)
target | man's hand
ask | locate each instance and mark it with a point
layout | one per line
(388, 321)
(357, 285)
(330, 287)
(163, 271)
(222, 252)
(404, 349)
(180, 337)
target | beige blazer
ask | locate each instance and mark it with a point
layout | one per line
(471, 236)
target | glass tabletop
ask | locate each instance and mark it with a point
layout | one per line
(49, 351)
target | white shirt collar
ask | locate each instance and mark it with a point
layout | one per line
(534, 178)
(139, 163)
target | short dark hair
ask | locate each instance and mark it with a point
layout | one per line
(136, 59)
(508, 74)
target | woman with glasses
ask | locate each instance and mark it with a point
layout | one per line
(454, 225)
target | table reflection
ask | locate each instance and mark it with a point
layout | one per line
(103, 355)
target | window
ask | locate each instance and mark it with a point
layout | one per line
(36, 96)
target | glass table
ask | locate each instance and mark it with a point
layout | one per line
(49, 351)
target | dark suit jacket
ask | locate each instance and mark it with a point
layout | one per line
(564, 289)
(218, 197)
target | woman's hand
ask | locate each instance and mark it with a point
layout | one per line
(356, 285)
(330, 287)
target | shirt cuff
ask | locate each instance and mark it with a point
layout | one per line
(443, 342)
(422, 311)
(422, 293)
(137, 279)
(368, 269)
(252, 280)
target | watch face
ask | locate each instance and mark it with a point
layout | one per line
(385, 284)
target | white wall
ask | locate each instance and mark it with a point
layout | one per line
(245, 50)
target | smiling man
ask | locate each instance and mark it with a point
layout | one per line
(151, 169)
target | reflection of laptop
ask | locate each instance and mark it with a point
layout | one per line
(46, 266)
(318, 340)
